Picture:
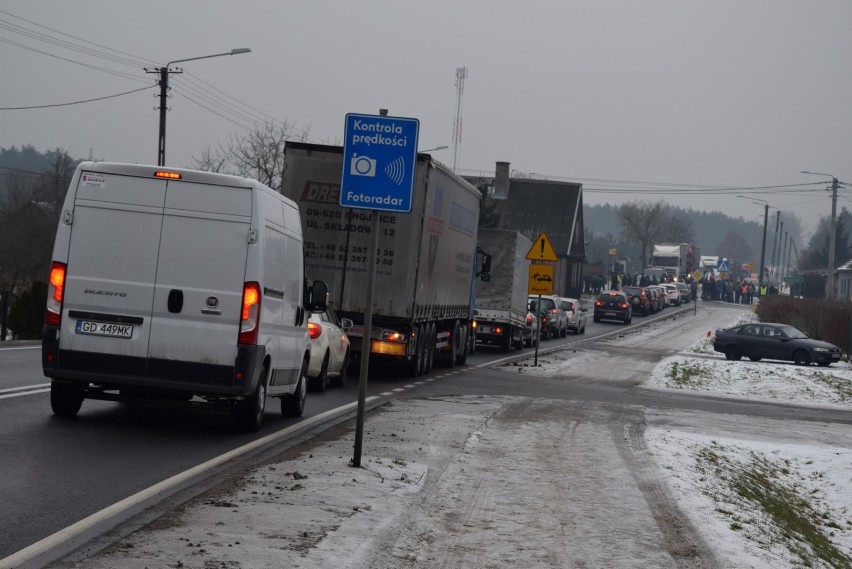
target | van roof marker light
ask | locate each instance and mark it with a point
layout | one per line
(167, 175)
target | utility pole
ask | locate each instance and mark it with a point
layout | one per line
(763, 247)
(829, 286)
(164, 94)
(775, 241)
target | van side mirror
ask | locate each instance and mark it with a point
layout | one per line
(317, 297)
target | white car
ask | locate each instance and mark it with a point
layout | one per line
(329, 349)
(576, 315)
(673, 292)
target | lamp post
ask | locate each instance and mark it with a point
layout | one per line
(164, 88)
(829, 283)
(763, 244)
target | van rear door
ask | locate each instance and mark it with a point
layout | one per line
(112, 264)
(199, 280)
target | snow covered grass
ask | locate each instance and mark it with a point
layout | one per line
(785, 505)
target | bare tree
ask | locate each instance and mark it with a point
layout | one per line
(677, 228)
(641, 223)
(257, 154)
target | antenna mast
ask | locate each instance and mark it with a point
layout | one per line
(461, 73)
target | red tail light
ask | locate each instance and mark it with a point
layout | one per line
(250, 317)
(553, 311)
(55, 294)
(529, 320)
(599, 303)
(623, 305)
(314, 330)
(498, 329)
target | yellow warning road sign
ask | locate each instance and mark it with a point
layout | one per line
(542, 249)
(541, 279)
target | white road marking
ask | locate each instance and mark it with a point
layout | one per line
(69, 533)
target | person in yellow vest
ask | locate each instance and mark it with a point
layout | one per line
(763, 290)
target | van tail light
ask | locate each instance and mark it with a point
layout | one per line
(250, 316)
(314, 330)
(55, 293)
(529, 320)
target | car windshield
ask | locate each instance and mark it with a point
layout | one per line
(793, 333)
(632, 290)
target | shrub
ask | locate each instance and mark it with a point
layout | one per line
(26, 316)
(827, 320)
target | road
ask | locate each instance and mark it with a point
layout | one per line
(59, 471)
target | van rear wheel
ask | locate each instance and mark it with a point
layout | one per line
(294, 405)
(248, 414)
(65, 399)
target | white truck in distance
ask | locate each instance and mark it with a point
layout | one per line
(676, 261)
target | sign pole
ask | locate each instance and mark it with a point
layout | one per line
(366, 338)
(379, 163)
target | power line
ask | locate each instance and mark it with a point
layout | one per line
(74, 102)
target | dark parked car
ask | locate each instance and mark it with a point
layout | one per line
(773, 342)
(638, 297)
(613, 305)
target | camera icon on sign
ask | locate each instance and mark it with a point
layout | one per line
(362, 166)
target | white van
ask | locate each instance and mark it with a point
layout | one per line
(176, 285)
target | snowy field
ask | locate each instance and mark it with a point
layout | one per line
(762, 501)
(479, 481)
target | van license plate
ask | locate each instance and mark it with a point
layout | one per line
(104, 329)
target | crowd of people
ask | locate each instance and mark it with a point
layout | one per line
(743, 291)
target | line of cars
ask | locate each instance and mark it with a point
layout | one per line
(552, 316)
(642, 300)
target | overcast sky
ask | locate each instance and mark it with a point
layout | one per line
(644, 97)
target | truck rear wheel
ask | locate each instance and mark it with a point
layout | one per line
(464, 345)
(453, 348)
(506, 340)
(415, 365)
(430, 348)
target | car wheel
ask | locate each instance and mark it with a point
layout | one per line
(823, 364)
(248, 414)
(294, 405)
(802, 358)
(733, 353)
(583, 329)
(65, 399)
(340, 380)
(755, 358)
(319, 382)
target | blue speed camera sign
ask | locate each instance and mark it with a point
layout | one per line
(379, 157)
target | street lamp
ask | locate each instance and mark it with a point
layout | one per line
(829, 283)
(763, 245)
(434, 149)
(164, 88)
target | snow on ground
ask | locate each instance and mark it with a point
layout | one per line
(762, 493)
(728, 485)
